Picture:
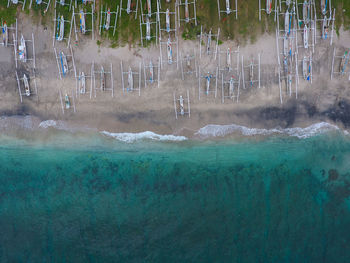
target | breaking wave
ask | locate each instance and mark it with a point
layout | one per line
(302, 133)
(147, 135)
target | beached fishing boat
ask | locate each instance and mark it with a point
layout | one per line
(82, 84)
(231, 87)
(64, 63)
(82, 22)
(149, 9)
(103, 79)
(306, 12)
(306, 37)
(4, 31)
(187, 13)
(181, 102)
(305, 68)
(108, 19)
(66, 101)
(324, 28)
(170, 52)
(285, 64)
(228, 9)
(130, 80)
(286, 22)
(228, 58)
(324, 6)
(289, 81)
(22, 50)
(151, 76)
(209, 42)
(26, 85)
(208, 78)
(128, 7)
(251, 72)
(60, 29)
(343, 62)
(285, 45)
(188, 61)
(269, 6)
(148, 29)
(167, 20)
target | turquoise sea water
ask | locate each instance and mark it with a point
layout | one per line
(278, 199)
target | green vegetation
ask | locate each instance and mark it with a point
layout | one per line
(246, 28)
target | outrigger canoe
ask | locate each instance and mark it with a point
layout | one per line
(269, 6)
(22, 50)
(130, 80)
(4, 31)
(170, 52)
(82, 22)
(82, 83)
(66, 101)
(64, 63)
(26, 85)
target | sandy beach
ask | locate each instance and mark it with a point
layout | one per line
(153, 110)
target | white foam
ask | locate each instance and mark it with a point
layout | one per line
(223, 130)
(147, 135)
(48, 123)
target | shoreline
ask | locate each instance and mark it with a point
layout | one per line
(323, 101)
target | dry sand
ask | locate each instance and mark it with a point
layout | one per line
(324, 100)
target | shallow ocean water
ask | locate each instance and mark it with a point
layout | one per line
(276, 199)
